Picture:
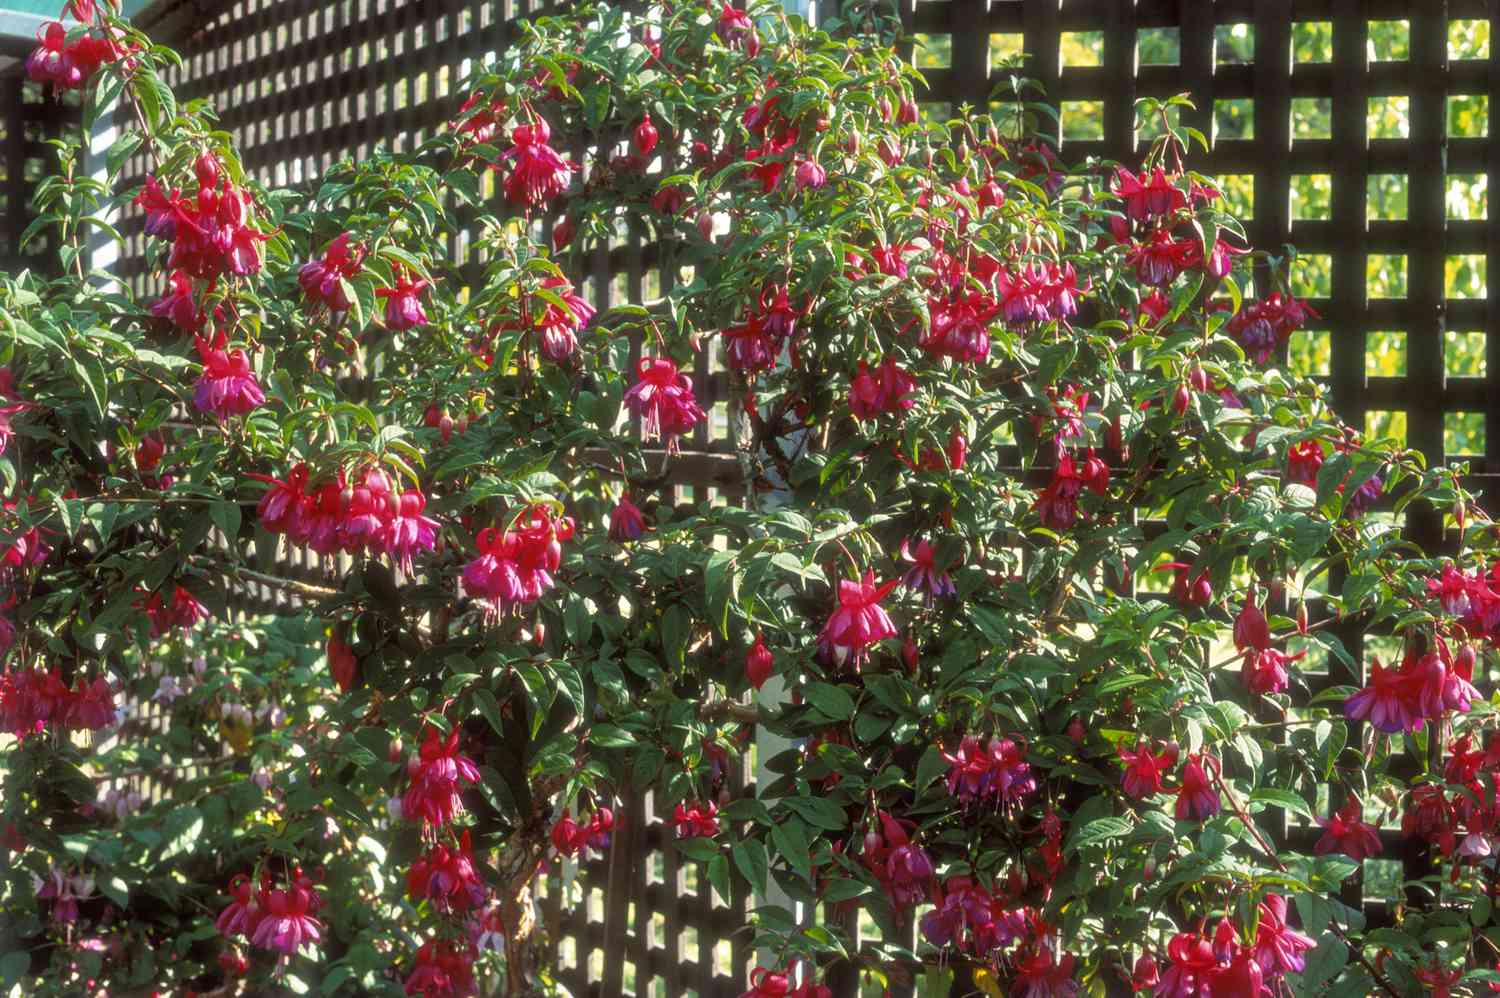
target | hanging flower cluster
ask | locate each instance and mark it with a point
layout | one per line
(516, 566)
(438, 772)
(368, 516)
(902, 867)
(1425, 687)
(662, 398)
(1226, 965)
(182, 612)
(33, 700)
(323, 279)
(69, 63)
(280, 919)
(996, 772)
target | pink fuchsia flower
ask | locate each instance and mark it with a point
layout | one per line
(409, 531)
(809, 175)
(558, 326)
(93, 705)
(1147, 197)
(179, 307)
(959, 326)
(901, 866)
(286, 922)
(749, 347)
(695, 820)
(924, 576)
(1192, 969)
(243, 914)
(322, 278)
(662, 398)
(1278, 947)
(626, 522)
(227, 386)
(442, 970)
(538, 174)
(859, 621)
(445, 876)
(437, 773)
(886, 390)
(737, 31)
(1197, 800)
(1391, 701)
(646, 136)
(516, 566)
(1251, 631)
(759, 664)
(997, 771)
(403, 304)
(1041, 974)
(1144, 769)
(64, 891)
(283, 500)
(1265, 671)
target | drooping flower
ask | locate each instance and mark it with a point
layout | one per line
(438, 773)
(558, 326)
(646, 136)
(809, 175)
(737, 31)
(924, 576)
(178, 305)
(1251, 631)
(403, 303)
(409, 531)
(662, 398)
(516, 565)
(538, 174)
(1278, 947)
(343, 664)
(887, 390)
(696, 820)
(322, 278)
(1390, 701)
(859, 621)
(1041, 974)
(749, 347)
(445, 876)
(1148, 197)
(626, 522)
(1197, 800)
(959, 326)
(242, 914)
(1265, 671)
(442, 970)
(759, 664)
(1144, 769)
(227, 386)
(286, 922)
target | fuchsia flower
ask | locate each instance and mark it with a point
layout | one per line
(442, 970)
(737, 31)
(960, 326)
(1263, 327)
(1265, 671)
(286, 921)
(695, 820)
(646, 136)
(1251, 631)
(179, 307)
(65, 65)
(64, 891)
(1197, 800)
(242, 914)
(1148, 197)
(750, 347)
(759, 664)
(409, 531)
(924, 576)
(859, 622)
(1278, 947)
(662, 398)
(1348, 833)
(184, 611)
(437, 773)
(997, 771)
(570, 837)
(558, 327)
(1144, 769)
(887, 390)
(903, 868)
(626, 523)
(1041, 974)
(321, 279)
(1391, 701)
(1161, 258)
(227, 386)
(809, 175)
(516, 565)
(539, 174)
(445, 876)
(403, 304)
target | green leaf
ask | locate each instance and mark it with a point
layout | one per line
(721, 584)
(790, 840)
(227, 518)
(750, 860)
(818, 811)
(718, 875)
(1282, 798)
(831, 701)
(490, 708)
(611, 736)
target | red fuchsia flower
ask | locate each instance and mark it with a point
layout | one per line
(68, 66)
(670, 200)
(1159, 259)
(960, 326)
(227, 386)
(1148, 197)
(559, 327)
(403, 304)
(1303, 461)
(321, 278)
(1346, 832)
(696, 820)
(662, 398)
(179, 307)
(1144, 769)
(1188, 590)
(997, 771)
(1197, 800)
(243, 914)
(1221, 259)
(1192, 970)
(626, 523)
(749, 347)
(368, 512)
(1265, 671)
(1278, 947)
(1146, 975)
(563, 233)
(972, 919)
(212, 235)
(1263, 327)
(809, 175)
(92, 707)
(924, 576)
(646, 136)
(569, 836)
(759, 664)
(284, 500)
(887, 390)
(516, 566)
(162, 210)
(859, 621)
(7, 430)
(891, 260)
(437, 773)
(737, 31)
(409, 531)
(1251, 631)
(445, 876)
(903, 868)
(343, 664)
(183, 611)
(1042, 974)
(442, 970)
(1439, 983)
(286, 921)
(539, 174)
(1391, 701)
(1057, 505)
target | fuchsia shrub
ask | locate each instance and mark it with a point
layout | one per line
(1057, 563)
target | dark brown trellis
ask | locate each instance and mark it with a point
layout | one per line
(302, 83)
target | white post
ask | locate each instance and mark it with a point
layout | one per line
(103, 252)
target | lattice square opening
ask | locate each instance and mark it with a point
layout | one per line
(1158, 46)
(1463, 434)
(1006, 49)
(1312, 275)
(1465, 276)
(1312, 196)
(1310, 352)
(1388, 118)
(1468, 116)
(1083, 119)
(1466, 196)
(1077, 49)
(1234, 44)
(1312, 41)
(1385, 275)
(1464, 355)
(1239, 193)
(1386, 424)
(1386, 196)
(1469, 39)
(932, 51)
(1389, 41)
(1234, 119)
(1312, 117)
(1385, 354)
(1150, 127)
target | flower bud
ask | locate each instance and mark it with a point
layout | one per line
(910, 655)
(646, 136)
(1182, 400)
(562, 234)
(207, 169)
(759, 663)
